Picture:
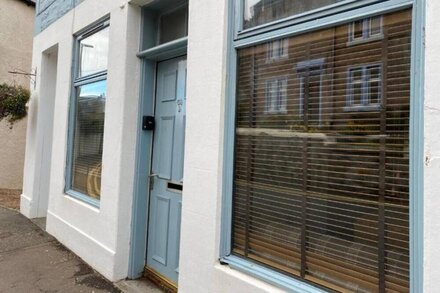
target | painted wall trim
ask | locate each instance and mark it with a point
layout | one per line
(144, 147)
(91, 250)
(107, 249)
(416, 163)
(325, 22)
(336, 8)
(165, 51)
(270, 276)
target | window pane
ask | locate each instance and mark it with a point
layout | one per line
(173, 25)
(258, 12)
(375, 26)
(321, 192)
(88, 138)
(93, 53)
(358, 29)
(357, 94)
(282, 95)
(374, 92)
(374, 72)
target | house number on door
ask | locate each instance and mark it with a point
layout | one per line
(179, 105)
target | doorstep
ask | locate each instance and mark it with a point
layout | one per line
(138, 286)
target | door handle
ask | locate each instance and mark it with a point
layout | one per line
(151, 180)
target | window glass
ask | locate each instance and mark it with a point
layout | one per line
(93, 53)
(88, 138)
(257, 12)
(276, 96)
(364, 86)
(366, 29)
(173, 25)
(375, 26)
(277, 49)
(321, 190)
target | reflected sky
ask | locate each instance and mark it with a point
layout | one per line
(94, 53)
(93, 90)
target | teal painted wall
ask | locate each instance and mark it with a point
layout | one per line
(48, 11)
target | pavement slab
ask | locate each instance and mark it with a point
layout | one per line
(33, 261)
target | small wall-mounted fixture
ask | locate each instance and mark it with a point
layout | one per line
(148, 123)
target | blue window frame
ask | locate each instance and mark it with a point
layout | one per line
(87, 114)
(344, 12)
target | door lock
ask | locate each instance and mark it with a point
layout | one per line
(148, 123)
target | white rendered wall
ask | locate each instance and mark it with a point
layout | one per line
(199, 269)
(431, 280)
(99, 236)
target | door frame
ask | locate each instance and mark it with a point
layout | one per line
(144, 146)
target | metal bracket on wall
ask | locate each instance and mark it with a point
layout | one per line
(31, 76)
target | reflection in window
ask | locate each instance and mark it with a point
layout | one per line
(93, 53)
(277, 49)
(365, 29)
(88, 113)
(364, 87)
(257, 12)
(88, 138)
(311, 74)
(321, 193)
(276, 96)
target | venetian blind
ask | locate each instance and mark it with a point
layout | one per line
(88, 138)
(321, 187)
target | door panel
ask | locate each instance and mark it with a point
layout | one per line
(169, 86)
(177, 174)
(165, 137)
(161, 216)
(167, 170)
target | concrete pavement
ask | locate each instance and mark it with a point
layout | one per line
(33, 261)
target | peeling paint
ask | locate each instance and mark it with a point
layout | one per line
(428, 159)
(432, 108)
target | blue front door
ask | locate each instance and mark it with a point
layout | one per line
(167, 170)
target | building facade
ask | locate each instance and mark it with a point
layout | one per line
(239, 146)
(16, 35)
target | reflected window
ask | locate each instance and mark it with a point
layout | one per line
(277, 49)
(276, 96)
(364, 87)
(366, 29)
(93, 53)
(310, 75)
(86, 133)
